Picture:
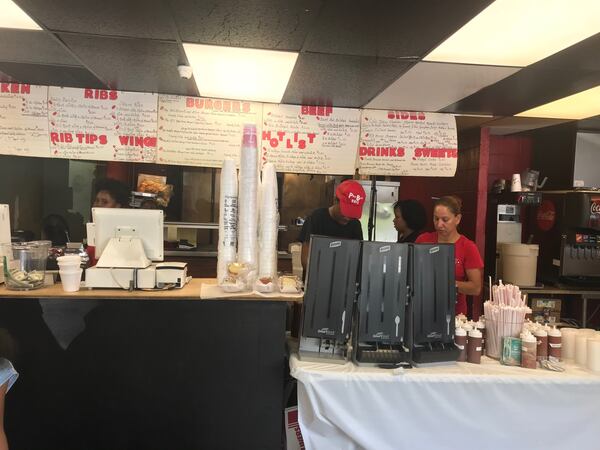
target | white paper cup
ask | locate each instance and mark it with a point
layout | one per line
(71, 280)
(69, 259)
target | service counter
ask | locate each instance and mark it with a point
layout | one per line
(112, 369)
(485, 406)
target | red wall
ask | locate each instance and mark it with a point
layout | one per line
(508, 155)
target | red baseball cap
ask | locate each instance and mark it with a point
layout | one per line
(351, 196)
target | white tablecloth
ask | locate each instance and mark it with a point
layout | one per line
(487, 406)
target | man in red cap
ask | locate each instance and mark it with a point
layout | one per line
(339, 220)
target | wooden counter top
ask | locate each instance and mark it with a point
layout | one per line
(190, 292)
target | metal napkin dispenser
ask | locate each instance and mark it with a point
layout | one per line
(378, 337)
(432, 305)
(329, 295)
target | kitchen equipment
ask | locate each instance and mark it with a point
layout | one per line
(430, 331)
(567, 228)
(529, 180)
(378, 335)
(25, 264)
(329, 298)
(519, 263)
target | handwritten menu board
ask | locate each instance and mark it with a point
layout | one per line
(102, 124)
(197, 131)
(23, 120)
(407, 143)
(310, 139)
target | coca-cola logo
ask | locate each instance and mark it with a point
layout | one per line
(546, 215)
(595, 207)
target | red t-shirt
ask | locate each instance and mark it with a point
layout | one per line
(466, 256)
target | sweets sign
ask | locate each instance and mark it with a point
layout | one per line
(310, 139)
(407, 143)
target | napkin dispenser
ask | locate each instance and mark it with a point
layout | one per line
(432, 305)
(378, 335)
(329, 295)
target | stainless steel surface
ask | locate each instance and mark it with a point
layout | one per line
(205, 226)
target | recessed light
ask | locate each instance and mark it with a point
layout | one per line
(577, 106)
(240, 73)
(14, 17)
(520, 32)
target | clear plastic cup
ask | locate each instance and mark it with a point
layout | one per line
(24, 264)
(70, 280)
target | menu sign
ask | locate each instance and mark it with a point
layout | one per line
(310, 139)
(23, 120)
(197, 131)
(407, 143)
(102, 124)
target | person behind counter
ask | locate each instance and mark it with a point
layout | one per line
(111, 193)
(339, 220)
(467, 260)
(409, 219)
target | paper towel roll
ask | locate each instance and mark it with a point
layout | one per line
(228, 217)
(593, 354)
(268, 223)
(248, 207)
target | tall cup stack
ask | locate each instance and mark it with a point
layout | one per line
(228, 217)
(248, 204)
(269, 223)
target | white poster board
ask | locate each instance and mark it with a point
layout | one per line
(310, 139)
(24, 120)
(404, 143)
(196, 131)
(100, 124)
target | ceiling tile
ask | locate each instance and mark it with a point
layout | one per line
(511, 125)
(28, 46)
(432, 86)
(345, 81)
(133, 18)
(267, 24)
(48, 75)
(388, 28)
(132, 64)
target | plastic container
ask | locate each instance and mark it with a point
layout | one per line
(25, 267)
(460, 340)
(528, 351)
(71, 280)
(474, 347)
(541, 336)
(554, 344)
(519, 263)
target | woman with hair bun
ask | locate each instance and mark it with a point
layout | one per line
(447, 213)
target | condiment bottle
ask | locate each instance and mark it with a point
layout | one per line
(460, 340)
(542, 343)
(474, 347)
(528, 351)
(480, 325)
(554, 344)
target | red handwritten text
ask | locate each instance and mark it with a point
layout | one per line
(81, 138)
(217, 105)
(100, 94)
(280, 137)
(15, 88)
(381, 151)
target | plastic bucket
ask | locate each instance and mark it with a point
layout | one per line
(519, 263)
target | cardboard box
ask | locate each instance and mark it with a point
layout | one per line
(545, 310)
(542, 304)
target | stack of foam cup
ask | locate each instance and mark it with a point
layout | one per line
(69, 269)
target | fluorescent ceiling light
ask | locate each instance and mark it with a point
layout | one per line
(13, 17)
(577, 106)
(520, 32)
(240, 73)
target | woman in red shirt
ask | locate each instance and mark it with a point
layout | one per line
(467, 261)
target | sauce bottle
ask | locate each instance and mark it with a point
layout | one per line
(474, 347)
